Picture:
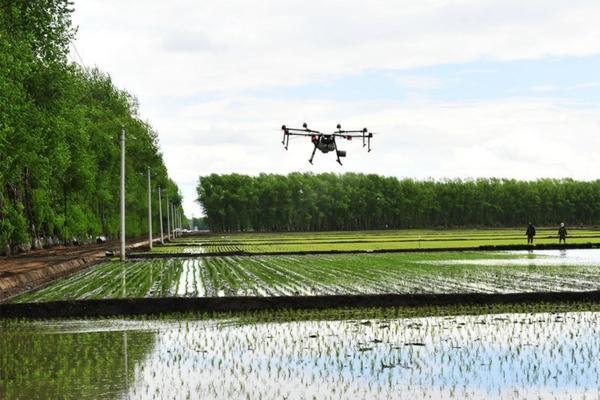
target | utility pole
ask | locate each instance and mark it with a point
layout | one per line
(162, 239)
(168, 220)
(181, 217)
(149, 211)
(122, 193)
(174, 221)
(173, 233)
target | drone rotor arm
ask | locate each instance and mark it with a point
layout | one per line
(300, 134)
(365, 136)
(346, 136)
(355, 131)
(303, 131)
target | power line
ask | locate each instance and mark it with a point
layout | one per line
(81, 63)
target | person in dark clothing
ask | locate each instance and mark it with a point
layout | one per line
(530, 233)
(562, 233)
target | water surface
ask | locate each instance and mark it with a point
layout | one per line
(542, 355)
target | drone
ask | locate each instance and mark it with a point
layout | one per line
(326, 142)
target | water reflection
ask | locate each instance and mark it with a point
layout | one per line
(573, 257)
(61, 361)
(545, 355)
(563, 253)
(126, 370)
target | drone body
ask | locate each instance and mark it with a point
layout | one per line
(326, 142)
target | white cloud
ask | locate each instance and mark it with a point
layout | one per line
(185, 47)
(190, 64)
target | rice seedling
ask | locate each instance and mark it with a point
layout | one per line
(291, 275)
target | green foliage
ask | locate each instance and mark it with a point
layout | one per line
(12, 224)
(200, 223)
(309, 202)
(59, 135)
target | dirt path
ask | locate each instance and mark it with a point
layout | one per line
(30, 270)
(509, 247)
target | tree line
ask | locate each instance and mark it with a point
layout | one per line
(317, 202)
(59, 136)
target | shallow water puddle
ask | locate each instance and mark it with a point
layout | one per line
(190, 281)
(532, 258)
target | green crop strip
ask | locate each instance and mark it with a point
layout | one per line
(287, 275)
(366, 241)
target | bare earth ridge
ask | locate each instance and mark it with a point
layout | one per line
(30, 270)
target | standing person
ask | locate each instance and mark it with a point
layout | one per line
(530, 233)
(562, 233)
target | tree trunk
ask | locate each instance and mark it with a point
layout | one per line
(28, 199)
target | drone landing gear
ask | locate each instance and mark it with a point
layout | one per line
(368, 141)
(338, 153)
(314, 150)
(286, 141)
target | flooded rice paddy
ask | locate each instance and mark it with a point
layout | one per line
(543, 355)
(290, 275)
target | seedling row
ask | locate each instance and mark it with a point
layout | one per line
(470, 272)
(366, 241)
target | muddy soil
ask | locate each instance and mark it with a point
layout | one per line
(33, 269)
(407, 250)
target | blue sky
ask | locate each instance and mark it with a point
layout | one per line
(573, 78)
(456, 88)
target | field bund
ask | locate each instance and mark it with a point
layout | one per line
(171, 305)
